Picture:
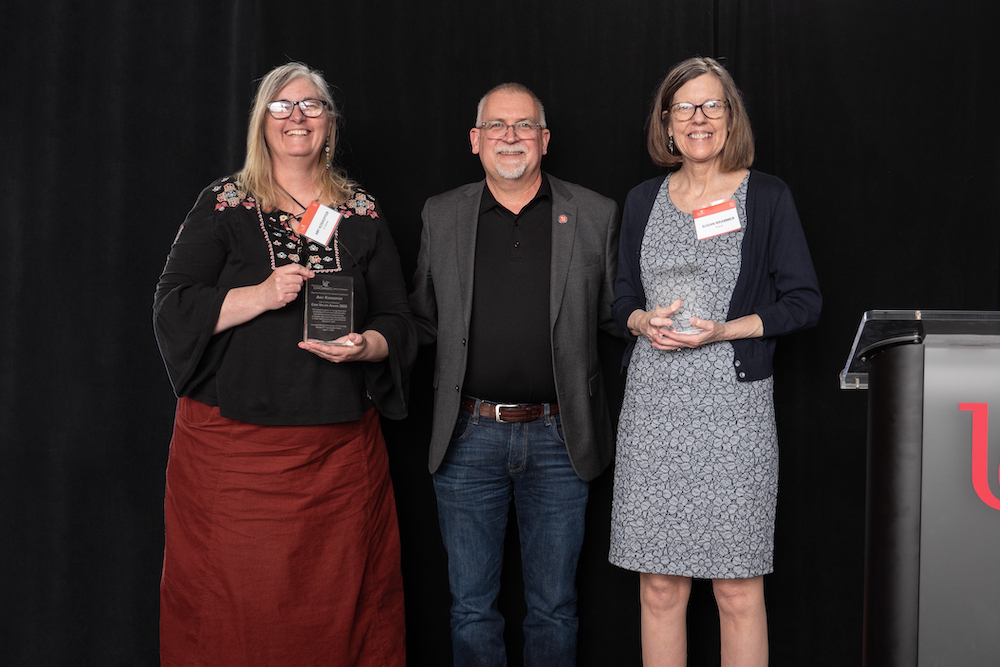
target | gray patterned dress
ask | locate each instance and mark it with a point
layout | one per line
(696, 475)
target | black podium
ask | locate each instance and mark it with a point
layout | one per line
(932, 536)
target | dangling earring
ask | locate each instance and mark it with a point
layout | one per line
(670, 146)
(327, 153)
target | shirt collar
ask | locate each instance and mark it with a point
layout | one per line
(488, 201)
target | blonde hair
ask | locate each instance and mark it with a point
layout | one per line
(257, 175)
(737, 153)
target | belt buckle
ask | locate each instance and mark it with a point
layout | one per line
(497, 406)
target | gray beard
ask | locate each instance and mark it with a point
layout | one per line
(512, 173)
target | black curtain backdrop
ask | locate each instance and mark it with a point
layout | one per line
(879, 115)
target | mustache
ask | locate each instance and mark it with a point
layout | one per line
(509, 148)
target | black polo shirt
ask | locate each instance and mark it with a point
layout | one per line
(510, 351)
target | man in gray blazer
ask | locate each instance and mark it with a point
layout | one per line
(514, 278)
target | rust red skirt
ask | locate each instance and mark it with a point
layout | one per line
(282, 546)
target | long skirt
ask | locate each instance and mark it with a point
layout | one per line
(282, 546)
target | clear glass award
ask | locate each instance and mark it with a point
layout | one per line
(329, 308)
(688, 293)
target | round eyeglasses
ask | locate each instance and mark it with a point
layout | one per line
(281, 109)
(497, 129)
(685, 110)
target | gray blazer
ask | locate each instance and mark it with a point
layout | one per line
(584, 260)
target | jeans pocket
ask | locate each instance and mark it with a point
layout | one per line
(461, 426)
(557, 423)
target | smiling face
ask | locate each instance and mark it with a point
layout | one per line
(699, 139)
(297, 136)
(510, 158)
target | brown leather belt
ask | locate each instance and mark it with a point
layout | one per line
(509, 412)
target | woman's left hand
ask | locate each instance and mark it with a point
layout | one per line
(367, 346)
(710, 333)
(749, 326)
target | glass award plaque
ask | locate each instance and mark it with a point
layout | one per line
(689, 308)
(329, 308)
(685, 289)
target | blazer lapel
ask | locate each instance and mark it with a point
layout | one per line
(466, 226)
(564, 221)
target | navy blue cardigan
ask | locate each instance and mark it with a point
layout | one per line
(777, 280)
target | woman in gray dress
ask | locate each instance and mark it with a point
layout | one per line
(713, 266)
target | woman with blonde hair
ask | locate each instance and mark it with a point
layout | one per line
(282, 546)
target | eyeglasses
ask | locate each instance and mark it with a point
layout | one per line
(281, 109)
(685, 110)
(497, 129)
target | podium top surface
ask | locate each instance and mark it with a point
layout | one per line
(881, 329)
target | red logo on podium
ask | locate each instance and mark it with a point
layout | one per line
(980, 452)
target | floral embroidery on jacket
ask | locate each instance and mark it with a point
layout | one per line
(361, 203)
(231, 196)
(286, 245)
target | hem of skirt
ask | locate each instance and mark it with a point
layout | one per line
(667, 569)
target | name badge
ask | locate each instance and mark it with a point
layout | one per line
(319, 223)
(716, 220)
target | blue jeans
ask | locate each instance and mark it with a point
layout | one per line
(487, 462)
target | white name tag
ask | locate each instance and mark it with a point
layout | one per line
(715, 220)
(319, 223)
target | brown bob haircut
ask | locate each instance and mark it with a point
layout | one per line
(738, 152)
